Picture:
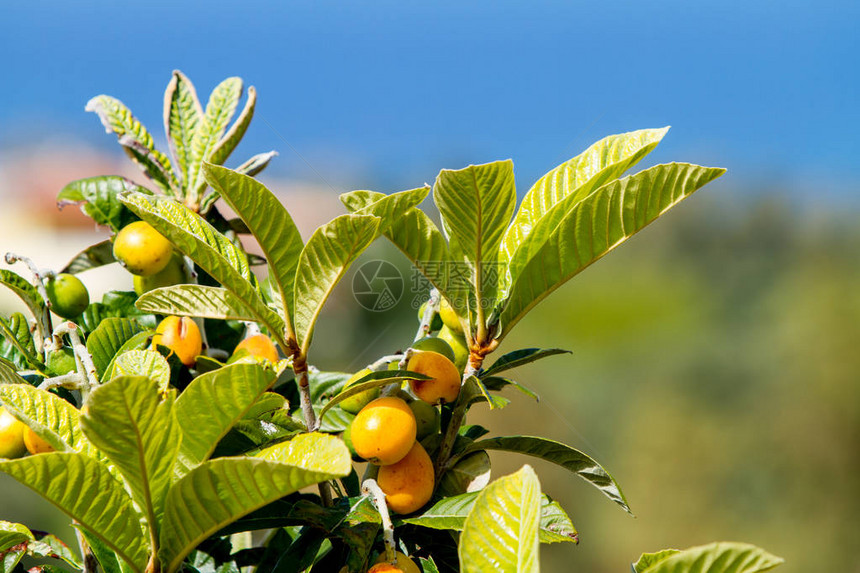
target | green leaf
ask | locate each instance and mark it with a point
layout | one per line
(575, 179)
(24, 290)
(323, 262)
(222, 490)
(499, 382)
(501, 531)
(720, 557)
(569, 458)
(147, 363)
(182, 116)
(450, 513)
(212, 404)
(256, 163)
(473, 391)
(17, 344)
(369, 381)
(270, 223)
(646, 560)
(98, 198)
(92, 257)
(476, 204)
(595, 226)
(215, 254)
(520, 357)
(135, 139)
(415, 234)
(106, 557)
(470, 473)
(12, 534)
(108, 337)
(195, 300)
(9, 560)
(136, 429)
(52, 547)
(389, 208)
(52, 418)
(137, 342)
(219, 111)
(83, 488)
(225, 146)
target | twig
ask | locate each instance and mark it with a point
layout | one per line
(370, 487)
(83, 360)
(43, 322)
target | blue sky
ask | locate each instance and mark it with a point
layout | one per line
(387, 93)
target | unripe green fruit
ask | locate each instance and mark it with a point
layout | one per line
(449, 317)
(354, 404)
(172, 274)
(141, 249)
(68, 295)
(436, 323)
(11, 436)
(427, 418)
(458, 346)
(435, 344)
(61, 361)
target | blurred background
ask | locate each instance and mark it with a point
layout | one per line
(715, 356)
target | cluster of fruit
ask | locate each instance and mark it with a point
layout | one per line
(151, 258)
(388, 430)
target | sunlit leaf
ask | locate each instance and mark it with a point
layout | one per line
(501, 530)
(222, 490)
(83, 488)
(182, 116)
(325, 258)
(211, 404)
(215, 254)
(569, 458)
(646, 560)
(595, 226)
(256, 163)
(147, 363)
(24, 290)
(104, 342)
(225, 146)
(195, 300)
(135, 139)
(476, 204)
(604, 161)
(415, 234)
(269, 221)
(721, 557)
(52, 418)
(128, 420)
(12, 534)
(450, 513)
(17, 345)
(219, 111)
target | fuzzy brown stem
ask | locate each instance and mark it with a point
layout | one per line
(305, 397)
